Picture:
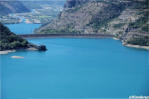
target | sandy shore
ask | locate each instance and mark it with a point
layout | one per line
(7, 51)
(137, 46)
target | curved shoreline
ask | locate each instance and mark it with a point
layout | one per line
(34, 49)
(10, 51)
(6, 52)
(137, 46)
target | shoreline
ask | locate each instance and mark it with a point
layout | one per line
(35, 49)
(137, 46)
(7, 51)
(11, 51)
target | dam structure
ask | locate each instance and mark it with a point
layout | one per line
(60, 35)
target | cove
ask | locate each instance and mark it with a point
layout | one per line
(76, 68)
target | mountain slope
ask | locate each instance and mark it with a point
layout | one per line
(126, 19)
(9, 6)
(84, 16)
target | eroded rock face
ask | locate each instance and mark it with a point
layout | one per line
(73, 3)
(122, 18)
(76, 19)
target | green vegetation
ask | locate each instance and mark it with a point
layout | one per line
(122, 18)
(140, 22)
(145, 28)
(40, 12)
(139, 40)
(72, 10)
(9, 40)
(118, 25)
(139, 4)
(102, 18)
(68, 29)
(55, 31)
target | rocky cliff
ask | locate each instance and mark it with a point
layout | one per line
(126, 19)
(11, 6)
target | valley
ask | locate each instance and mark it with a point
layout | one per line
(74, 49)
(41, 14)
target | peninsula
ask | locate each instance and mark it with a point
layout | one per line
(10, 42)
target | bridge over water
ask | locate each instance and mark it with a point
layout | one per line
(66, 35)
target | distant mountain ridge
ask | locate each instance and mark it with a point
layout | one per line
(126, 19)
(11, 6)
(73, 3)
(36, 4)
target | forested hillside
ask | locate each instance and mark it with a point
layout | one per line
(10, 41)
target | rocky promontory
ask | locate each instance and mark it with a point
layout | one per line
(10, 41)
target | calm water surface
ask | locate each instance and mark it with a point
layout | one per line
(76, 68)
(23, 28)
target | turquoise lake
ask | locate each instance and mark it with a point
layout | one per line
(76, 68)
(23, 28)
